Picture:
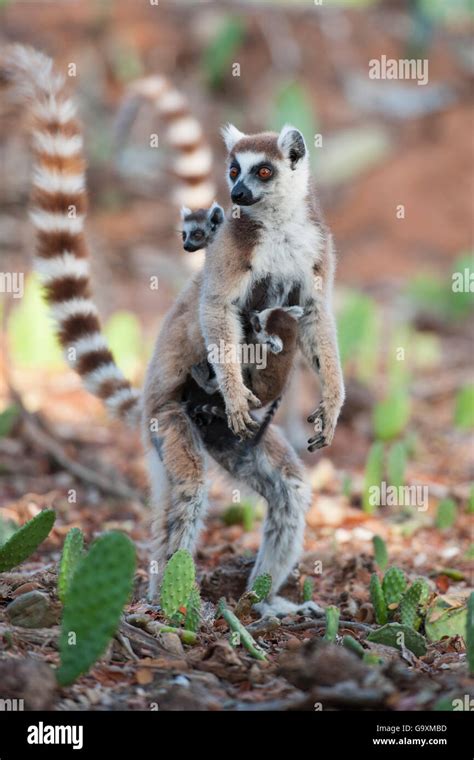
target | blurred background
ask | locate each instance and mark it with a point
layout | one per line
(393, 165)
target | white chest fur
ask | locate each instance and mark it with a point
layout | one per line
(287, 253)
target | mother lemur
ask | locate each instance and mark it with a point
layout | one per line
(274, 253)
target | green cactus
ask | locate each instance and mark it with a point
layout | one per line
(98, 592)
(73, 550)
(470, 633)
(25, 540)
(262, 586)
(349, 642)
(308, 588)
(332, 623)
(394, 584)
(411, 603)
(378, 600)
(240, 634)
(192, 619)
(394, 635)
(178, 582)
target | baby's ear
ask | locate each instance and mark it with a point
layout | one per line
(294, 311)
(216, 214)
(185, 211)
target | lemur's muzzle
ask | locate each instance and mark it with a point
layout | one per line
(190, 247)
(242, 196)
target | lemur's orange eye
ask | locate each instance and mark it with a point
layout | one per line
(264, 172)
(234, 172)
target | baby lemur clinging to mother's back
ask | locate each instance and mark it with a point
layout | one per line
(275, 330)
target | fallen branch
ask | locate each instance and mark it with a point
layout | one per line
(321, 624)
(154, 627)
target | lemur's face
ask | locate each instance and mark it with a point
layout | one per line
(266, 168)
(199, 227)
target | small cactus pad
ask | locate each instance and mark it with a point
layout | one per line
(349, 642)
(394, 635)
(332, 623)
(308, 588)
(192, 620)
(394, 584)
(96, 597)
(262, 586)
(378, 600)
(178, 582)
(410, 604)
(26, 539)
(72, 553)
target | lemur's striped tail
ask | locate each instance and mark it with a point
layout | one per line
(58, 214)
(192, 165)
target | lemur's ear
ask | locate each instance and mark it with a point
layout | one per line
(185, 211)
(216, 214)
(291, 143)
(231, 136)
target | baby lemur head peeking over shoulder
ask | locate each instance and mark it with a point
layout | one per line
(199, 227)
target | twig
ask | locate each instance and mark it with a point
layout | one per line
(154, 627)
(309, 624)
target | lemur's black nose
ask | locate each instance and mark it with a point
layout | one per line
(241, 195)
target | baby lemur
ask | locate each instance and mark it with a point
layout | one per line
(274, 254)
(274, 329)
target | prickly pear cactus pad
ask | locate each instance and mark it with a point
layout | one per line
(26, 539)
(394, 635)
(262, 586)
(378, 600)
(394, 584)
(72, 553)
(98, 592)
(193, 611)
(410, 605)
(178, 582)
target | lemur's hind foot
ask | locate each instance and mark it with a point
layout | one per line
(281, 607)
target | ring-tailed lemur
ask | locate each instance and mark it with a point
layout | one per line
(199, 227)
(276, 255)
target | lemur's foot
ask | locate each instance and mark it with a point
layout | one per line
(238, 415)
(281, 607)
